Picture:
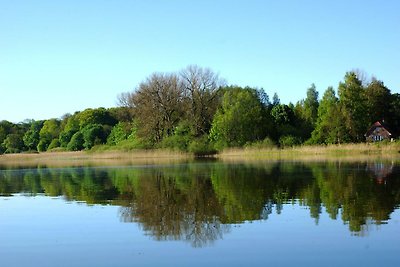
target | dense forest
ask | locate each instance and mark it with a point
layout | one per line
(195, 110)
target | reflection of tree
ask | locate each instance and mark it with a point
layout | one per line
(353, 191)
(178, 205)
(197, 202)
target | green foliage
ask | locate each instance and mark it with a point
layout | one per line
(49, 131)
(55, 143)
(95, 116)
(330, 127)
(13, 143)
(119, 133)
(42, 146)
(378, 99)
(310, 112)
(76, 142)
(31, 137)
(93, 134)
(181, 138)
(70, 128)
(239, 119)
(353, 106)
(282, 114)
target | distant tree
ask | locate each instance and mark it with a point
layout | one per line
(239, 119)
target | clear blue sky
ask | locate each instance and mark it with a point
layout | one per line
(58, 57)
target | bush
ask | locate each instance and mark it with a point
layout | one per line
(289, 141)
(266, 143)
(76, 142)
(201, 147)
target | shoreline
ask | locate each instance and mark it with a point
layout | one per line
(346, 152)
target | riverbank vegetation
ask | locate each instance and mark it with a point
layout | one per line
(195, 111)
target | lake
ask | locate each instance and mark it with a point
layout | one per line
(199, 213)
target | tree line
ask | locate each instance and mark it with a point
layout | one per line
(195, 110)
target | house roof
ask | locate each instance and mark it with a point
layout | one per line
(376, 125)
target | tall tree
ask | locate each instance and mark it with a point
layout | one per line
(311, 105)
(353, 106)
(329, 128)
(201, 87)
(378, 101)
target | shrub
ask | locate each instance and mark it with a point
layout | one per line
(289, 141)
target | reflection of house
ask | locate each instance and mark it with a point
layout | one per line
(378, 131)
(380, 170)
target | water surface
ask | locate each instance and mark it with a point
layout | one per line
(202, 213)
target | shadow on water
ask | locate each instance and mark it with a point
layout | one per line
(199, 201)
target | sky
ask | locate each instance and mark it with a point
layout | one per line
(58, 57)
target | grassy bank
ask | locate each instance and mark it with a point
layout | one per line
(345, 151)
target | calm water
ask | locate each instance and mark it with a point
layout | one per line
(204, 213)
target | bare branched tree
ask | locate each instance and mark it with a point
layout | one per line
(201, 86)
(157, 105)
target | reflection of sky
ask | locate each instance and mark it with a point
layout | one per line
(43, 231)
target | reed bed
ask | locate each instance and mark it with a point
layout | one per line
(84, 158)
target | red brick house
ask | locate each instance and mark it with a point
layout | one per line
(379, 131)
